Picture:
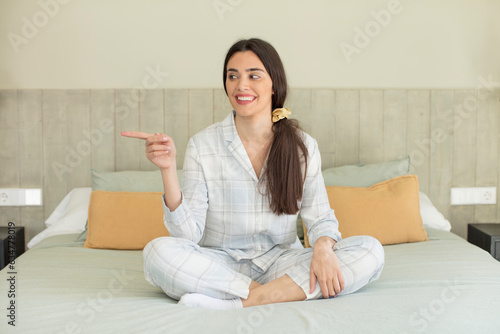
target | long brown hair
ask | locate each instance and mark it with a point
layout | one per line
(284, 174)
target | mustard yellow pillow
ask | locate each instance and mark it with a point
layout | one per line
(388, 211)
(124, 220)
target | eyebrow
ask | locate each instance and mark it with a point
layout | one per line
(248, 70)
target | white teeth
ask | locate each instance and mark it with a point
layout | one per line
(245, 98)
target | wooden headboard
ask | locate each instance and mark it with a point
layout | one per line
(51, 138)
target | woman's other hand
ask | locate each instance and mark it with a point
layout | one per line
(325, 269)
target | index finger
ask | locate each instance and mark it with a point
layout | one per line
(135, 134)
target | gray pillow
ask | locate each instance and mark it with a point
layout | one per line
(366, 175)
(139, 181)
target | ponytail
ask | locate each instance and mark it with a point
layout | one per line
(284, 174)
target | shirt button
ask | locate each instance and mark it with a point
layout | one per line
(257, 219)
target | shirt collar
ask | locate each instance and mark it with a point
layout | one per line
(235, 146)
(229, 127)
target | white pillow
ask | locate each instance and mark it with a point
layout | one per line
(76, 200)
(70, 216)
(431, 217)
(59, 211)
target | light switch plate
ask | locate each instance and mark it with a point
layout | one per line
(473, 196)
(20, 197)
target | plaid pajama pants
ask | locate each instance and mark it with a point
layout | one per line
(179, 266)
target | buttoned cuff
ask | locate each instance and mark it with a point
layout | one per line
(323, 231)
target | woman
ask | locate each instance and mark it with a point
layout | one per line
(233, 224)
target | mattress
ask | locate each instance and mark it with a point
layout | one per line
(444, 285)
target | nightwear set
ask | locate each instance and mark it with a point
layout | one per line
(224, 234)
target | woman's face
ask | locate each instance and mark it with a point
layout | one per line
(249, 86)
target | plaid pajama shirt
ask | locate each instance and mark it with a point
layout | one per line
(224, 234)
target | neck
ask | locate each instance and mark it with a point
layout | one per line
(257, 130)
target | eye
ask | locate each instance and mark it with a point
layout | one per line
(231, 76)
(254, 76)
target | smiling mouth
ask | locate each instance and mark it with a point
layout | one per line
(245, 98)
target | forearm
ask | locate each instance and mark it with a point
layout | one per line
(184, 212)
(171, 187)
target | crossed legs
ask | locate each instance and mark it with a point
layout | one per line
(184, 269)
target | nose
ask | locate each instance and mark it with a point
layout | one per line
(242, 84)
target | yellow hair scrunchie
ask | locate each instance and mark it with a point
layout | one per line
(280, 113)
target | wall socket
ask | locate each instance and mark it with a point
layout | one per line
(473, 196)
(20, 197)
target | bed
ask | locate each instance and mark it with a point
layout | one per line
(443, 285)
